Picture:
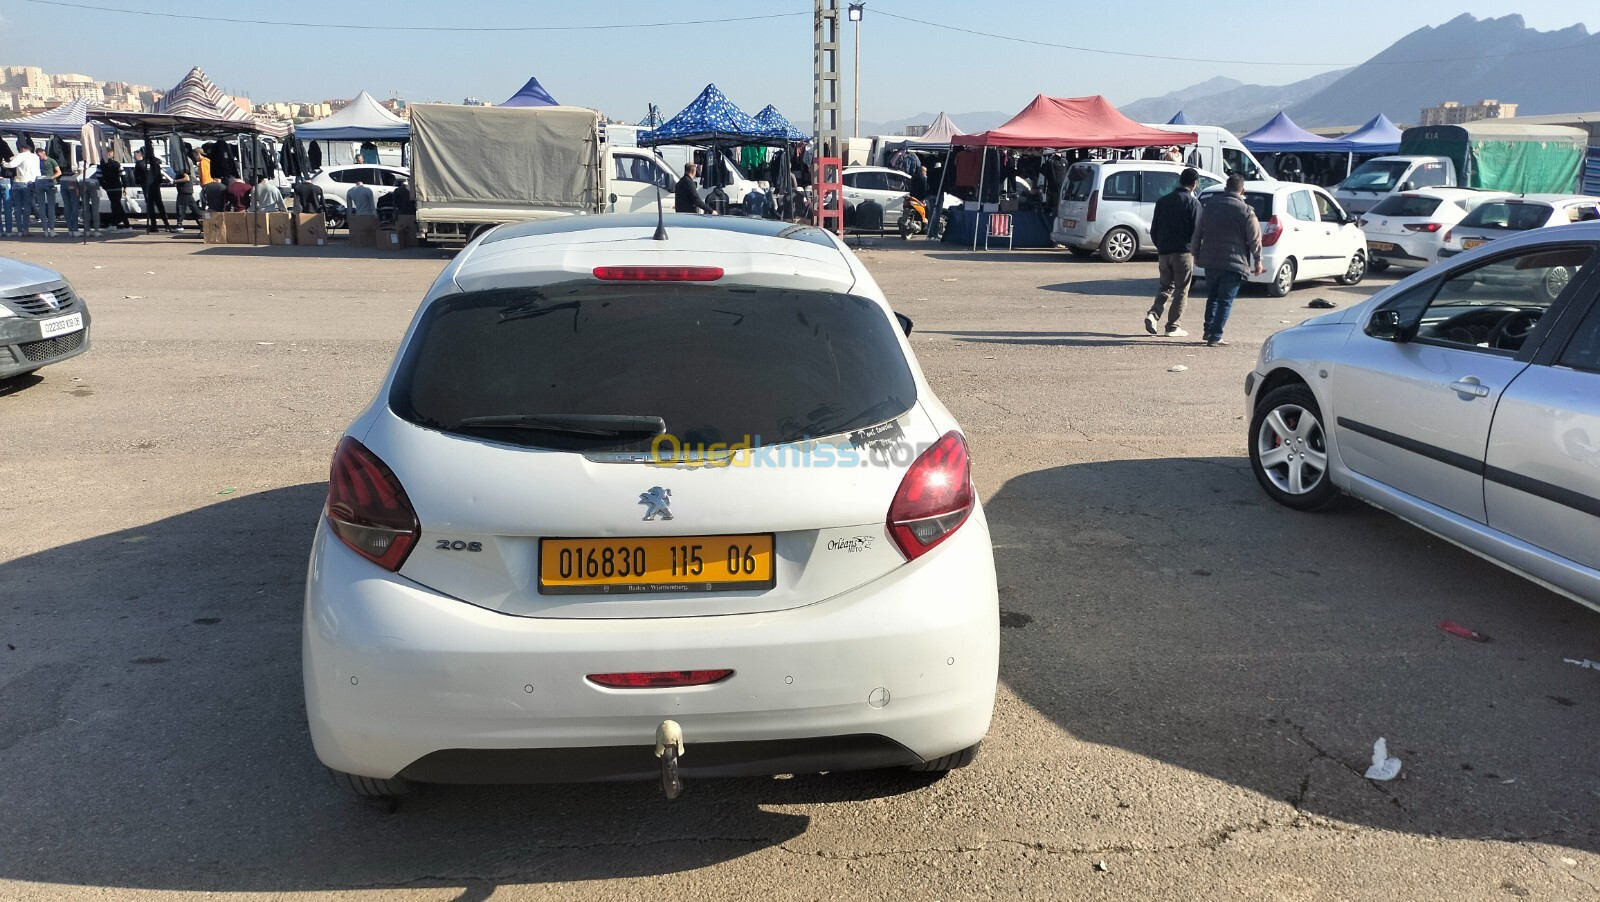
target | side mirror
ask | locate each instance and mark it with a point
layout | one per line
(1352, 219)
(1408, 186)
(905, 323)
(1385, 325)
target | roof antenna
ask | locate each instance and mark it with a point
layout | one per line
(661, 212)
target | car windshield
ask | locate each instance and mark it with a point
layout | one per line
(714, 364)
(1405, 205)
(1511, 216)
(1376, 175)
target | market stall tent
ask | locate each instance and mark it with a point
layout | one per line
(196, 107)
(531, 94)
(710, 119)
(364, 119)
(1180, 119)
(1060, 122)
(774, 123)
(1378, 136)
(65, 121)
(1282, 135)
(939, 134)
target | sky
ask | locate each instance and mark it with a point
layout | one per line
(906, 68)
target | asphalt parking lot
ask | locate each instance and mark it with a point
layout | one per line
(1192, 678)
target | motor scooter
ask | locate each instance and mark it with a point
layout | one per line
(913, 217)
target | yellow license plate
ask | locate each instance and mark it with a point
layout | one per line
(1069, 223)
(655, 564)
(1380, 245)
(1470, 243)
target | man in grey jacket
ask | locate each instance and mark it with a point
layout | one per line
(1228, 246)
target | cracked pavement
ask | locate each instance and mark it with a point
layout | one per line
(1192, 679)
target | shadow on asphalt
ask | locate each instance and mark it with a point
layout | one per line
(1001, 255)
(153, 735)
(1117, 288)
(15, 384)
(336, 248)
(1056, 339)
(1179, 614)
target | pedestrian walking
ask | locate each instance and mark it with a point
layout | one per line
(1228, 248)
(7, 226)
(111, 183)
(25, 166)
(686, 193)
(44, 192)
(1172, 227)
(147, 172)
(184, 181)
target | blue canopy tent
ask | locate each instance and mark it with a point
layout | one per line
(1281, 135)
(531, 94)
(713, 120)
(1379, 136)
(774, 122)
(1180, 119)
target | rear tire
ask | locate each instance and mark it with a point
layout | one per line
(1282, 281)
(1356, 271)
(1119, 245)
(370, 787)
(949, 762)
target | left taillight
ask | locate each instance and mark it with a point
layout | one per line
(368, 509)
(935, 497)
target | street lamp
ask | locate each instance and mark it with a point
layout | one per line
(856, 11)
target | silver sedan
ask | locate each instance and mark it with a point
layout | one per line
(1464, 399)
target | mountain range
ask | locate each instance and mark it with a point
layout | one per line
(1466, 59)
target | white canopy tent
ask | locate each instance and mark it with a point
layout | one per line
(363, 120)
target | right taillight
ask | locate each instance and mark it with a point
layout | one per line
(368, 509)
(1447, 234)
(935, 497)
(1271, 232)
(1094, 207)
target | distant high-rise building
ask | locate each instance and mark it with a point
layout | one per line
(1453, 113)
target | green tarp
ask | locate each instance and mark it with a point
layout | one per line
(1505, 156)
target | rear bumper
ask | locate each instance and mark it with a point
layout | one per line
(400, 679)
(1399, 253)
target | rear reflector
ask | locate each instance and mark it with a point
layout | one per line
(934, 498)
(368, 509)
(661, 679)
(658, 273)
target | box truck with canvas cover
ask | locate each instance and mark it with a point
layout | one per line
(477, 167)
(1491, 155)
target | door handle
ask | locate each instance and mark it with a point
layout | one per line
(1470, 386)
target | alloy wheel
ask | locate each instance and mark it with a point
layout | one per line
(1292, 449)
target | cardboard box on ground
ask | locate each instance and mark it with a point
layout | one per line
(272, 228)
(363, 230)
(310, 228)
(402, 234)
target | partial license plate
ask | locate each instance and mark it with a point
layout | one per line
(1470, 243)
(656, 564)
(1380, 246)
(1069, 223)
(61, 325)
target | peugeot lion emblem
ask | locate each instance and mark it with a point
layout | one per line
(656, 501)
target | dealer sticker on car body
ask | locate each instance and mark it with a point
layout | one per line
(61, 325)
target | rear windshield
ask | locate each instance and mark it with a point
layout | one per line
(1516, 217)
(1261, 203)
(1405, 205)
(716, 364)
(1080, 182)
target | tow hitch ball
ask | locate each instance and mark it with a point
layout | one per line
(669, 748)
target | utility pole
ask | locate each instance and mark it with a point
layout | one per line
(857, 11)
(825, 99)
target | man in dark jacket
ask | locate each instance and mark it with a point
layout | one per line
(1173, 226)
(1228, 247)
(686, 194)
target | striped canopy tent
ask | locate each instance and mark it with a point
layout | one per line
(65, 121)
(194, 106)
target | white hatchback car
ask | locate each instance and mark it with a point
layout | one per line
(1305, 235)
(614, 487)
(336, 181)
(1510, 215)
(1407, 229)
(1464, 398)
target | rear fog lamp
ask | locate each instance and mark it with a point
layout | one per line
(660, 679)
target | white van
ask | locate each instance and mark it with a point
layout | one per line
(1219, 151)
(1106, 206)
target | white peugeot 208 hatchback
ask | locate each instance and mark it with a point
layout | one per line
(628, 495)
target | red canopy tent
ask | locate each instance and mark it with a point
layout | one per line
(1073, 122)
(1063, 122)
